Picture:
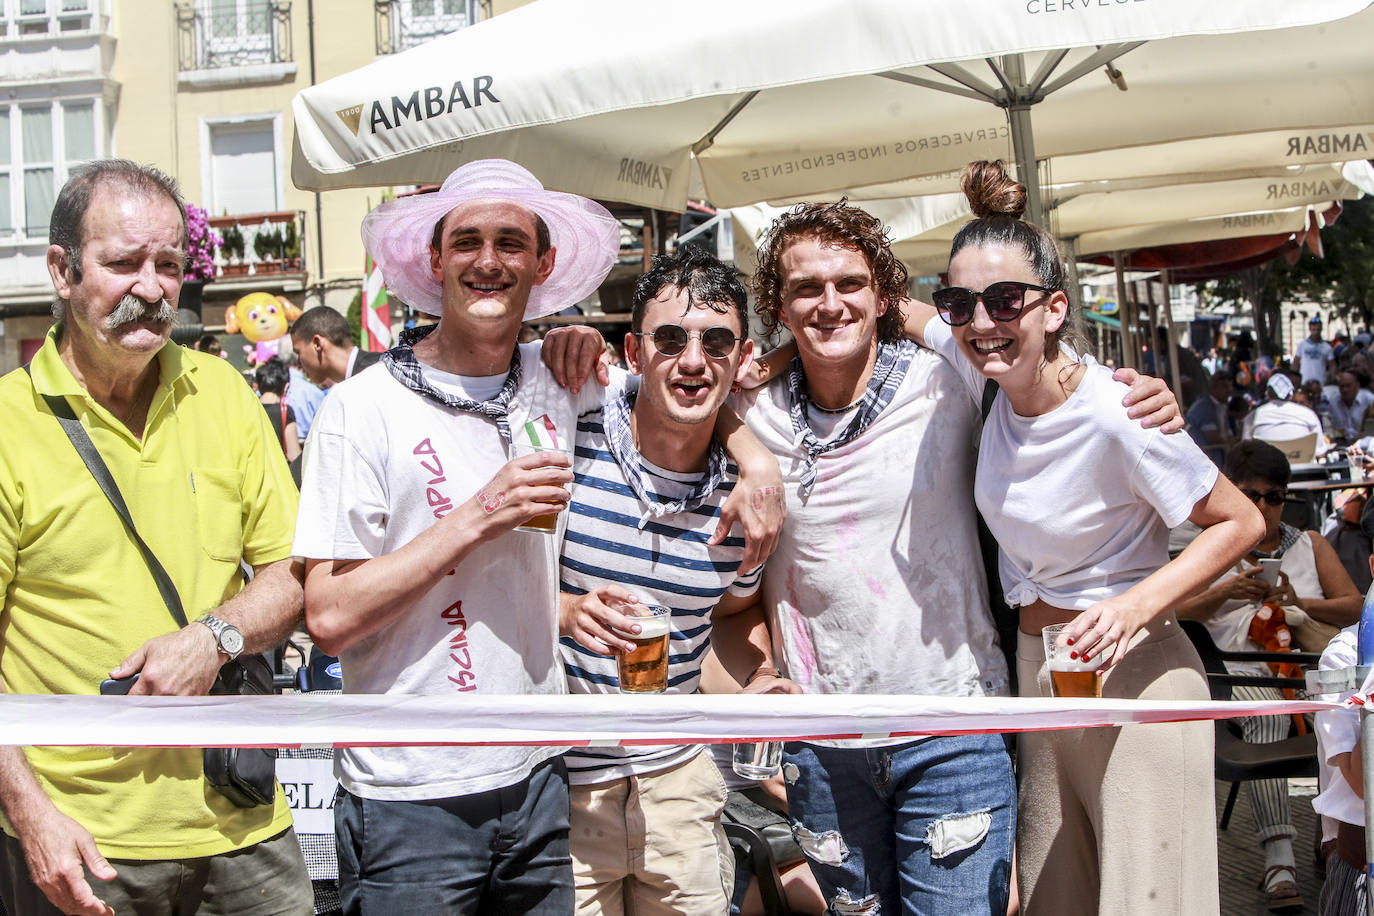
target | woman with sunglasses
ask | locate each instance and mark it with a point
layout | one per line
(1080, 498)
(1317, 597)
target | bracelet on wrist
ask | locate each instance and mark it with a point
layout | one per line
(762, 671)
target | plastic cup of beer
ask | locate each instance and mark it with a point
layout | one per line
(1069, 676)
(544, 524)
(645, 670)
(757, 759)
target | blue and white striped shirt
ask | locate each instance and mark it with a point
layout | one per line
(614, 536)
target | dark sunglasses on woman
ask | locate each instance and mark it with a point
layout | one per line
(1271, 497)
(1004, 301)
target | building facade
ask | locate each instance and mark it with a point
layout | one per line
(57, 109)
(202, 89)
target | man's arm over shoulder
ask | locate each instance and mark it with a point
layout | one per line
(757, 501)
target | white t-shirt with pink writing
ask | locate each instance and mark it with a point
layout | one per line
(385, 464)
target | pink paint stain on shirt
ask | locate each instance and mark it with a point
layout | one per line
(847, 532)
(801, 662)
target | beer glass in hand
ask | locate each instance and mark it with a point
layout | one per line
(1070, 676)
(645, 670)
(546, 524)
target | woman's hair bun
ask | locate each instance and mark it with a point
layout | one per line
(991, 191)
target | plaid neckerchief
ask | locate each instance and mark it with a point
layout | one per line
(893, 361)
(620, 440)
(1288, 536)
(400, 361)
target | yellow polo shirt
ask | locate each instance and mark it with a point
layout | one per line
(207, 485)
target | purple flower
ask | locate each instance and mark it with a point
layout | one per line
(204, 242)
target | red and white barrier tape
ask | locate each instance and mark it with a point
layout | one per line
(295, 721)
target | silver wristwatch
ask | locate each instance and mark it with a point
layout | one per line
(227, 636)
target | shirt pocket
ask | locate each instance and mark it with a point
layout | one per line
(219, 512)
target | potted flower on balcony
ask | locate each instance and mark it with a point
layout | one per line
(267, 245)
(233, 251)
(291, 247)
(203, 243)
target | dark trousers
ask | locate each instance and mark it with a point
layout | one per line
(499, 852)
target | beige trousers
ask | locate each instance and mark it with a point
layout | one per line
(1120, 820)
(652, 844)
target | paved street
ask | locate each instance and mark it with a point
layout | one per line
(1242, 863)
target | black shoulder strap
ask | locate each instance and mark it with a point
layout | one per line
(96, 465)
(989, 395)
(1005, 617)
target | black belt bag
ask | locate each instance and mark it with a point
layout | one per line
(247, 776)
(244, 775)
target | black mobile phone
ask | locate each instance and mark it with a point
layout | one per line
(117, 687)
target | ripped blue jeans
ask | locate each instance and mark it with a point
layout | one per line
(919, 828)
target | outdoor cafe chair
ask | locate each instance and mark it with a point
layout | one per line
(1237, 760)
(753, 854)
(1298, 451)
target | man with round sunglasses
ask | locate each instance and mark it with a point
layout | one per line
(650, 478)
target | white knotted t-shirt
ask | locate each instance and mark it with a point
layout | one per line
(1080, 499)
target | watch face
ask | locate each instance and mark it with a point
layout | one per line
(231, 640)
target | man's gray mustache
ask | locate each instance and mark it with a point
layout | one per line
(132, 308)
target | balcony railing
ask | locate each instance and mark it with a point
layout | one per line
(403, 24)
(258, 32)
(258, 244)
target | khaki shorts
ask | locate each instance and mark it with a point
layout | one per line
(653, 844)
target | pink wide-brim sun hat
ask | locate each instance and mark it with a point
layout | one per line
(585, 235)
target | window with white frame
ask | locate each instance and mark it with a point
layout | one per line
(418, 21)
(40, 142)
(237, 31)
(245, 169)
(45, 17)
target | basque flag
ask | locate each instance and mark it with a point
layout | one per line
(376, 311)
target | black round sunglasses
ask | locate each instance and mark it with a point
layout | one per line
(1004, 301)
(671, 339)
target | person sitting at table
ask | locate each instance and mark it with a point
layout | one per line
(1281, 419)
(1317, 597)
(1347, 402)
(1310, 394)
(1209, 420)
(1351, 537)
